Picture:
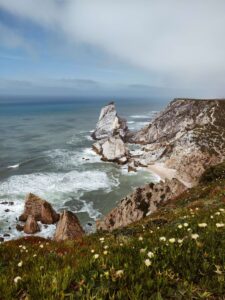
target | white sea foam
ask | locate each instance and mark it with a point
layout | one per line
(13, 166)
(90, 210)
(140, 117)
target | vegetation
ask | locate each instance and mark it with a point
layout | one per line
(176, 253)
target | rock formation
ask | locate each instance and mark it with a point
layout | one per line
(40, 209)
(110, 133)
(109, 124)
(189, 136)
(141, 202)
(68, 227)
(31, 226)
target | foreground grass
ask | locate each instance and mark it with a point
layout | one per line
(177, 253)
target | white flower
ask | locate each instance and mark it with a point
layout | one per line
(34, 255)
(172, 240)
(194, 236)
(119, 273)
(150, 254)
(16, 279)
(96, 256)
(148, 262)
(202, 225)
(219, 225)
(185, 224)
(140, 238)
(105, 252)
(106, 247)
(162, 239)
(222, 209)
(196, 208)
(121, 244)
(217, 213)
(180, 241)
(189, 229)
(20, 246)
(180, 226)
(211, 217)
(102, 239)
(20, 264)
(143, 250)
(41, 246)
(92, 251)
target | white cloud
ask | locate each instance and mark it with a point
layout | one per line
(181, 41)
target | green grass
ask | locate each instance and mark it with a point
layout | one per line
(181, 268)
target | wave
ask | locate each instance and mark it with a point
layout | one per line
(140, 117)
(13, 166)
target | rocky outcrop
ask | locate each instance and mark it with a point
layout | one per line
(189, 136)
(40, 209)
(109, 124)
(31, 226)
(68, 227)
(142, 202)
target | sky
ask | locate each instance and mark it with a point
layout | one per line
(164, 48)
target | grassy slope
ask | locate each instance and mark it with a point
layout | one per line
(185, 269)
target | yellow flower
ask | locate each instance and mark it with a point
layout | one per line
(150, 254)
(20, 264)
(202, 225)
(17, 279)
(219, 225)
(172, 240)
(148, 262)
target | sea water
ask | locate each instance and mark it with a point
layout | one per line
(46, 149)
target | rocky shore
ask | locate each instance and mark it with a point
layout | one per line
(178, 145)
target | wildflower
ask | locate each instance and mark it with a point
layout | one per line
(180, 241)
(148, 262)
(17, 279)
(92, 251)
(219, 225)
(102, 239)
(185, 224)
(140, 238)
(222, 209)
(217, 213)
(196, 208)
(180, 226)
(202, 225)
(20, 246)
(34, 255)
(106, 247)
(119, 273)
(105, 252)
(162, 239)
(150, 254)
(194, 236)
(189, 229)
(41, 267)
(172, 240)
(106, 274)
(218, 270)
(96, 256)
(121, 244)
(143, 250)
(211, 217)
(20, 264)
(41, 246)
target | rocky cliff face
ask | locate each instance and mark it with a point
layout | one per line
(143, 201)
(189, 135)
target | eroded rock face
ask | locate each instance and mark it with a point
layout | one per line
(109, 124)
(68, 227)
(40, 209)
(114, 149)
(189, 136)
(143, 201)
(31, 226)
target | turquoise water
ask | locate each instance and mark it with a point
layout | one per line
(45, 148)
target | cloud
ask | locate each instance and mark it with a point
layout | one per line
(180, 42)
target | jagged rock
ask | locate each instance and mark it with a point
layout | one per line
(19, 227)
(40, 209)
(189, 136)
(109, 124)
(114, 149)
(143, 201)
(1, 239)
(68, 227)
(31, 226)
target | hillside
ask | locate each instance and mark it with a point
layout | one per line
(178, 252)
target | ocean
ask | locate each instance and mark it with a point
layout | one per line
(46, 149)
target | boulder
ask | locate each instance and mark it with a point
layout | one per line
(114, 149)
(68, 227)
(31, 226)
(110, 124)
(40, 209)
